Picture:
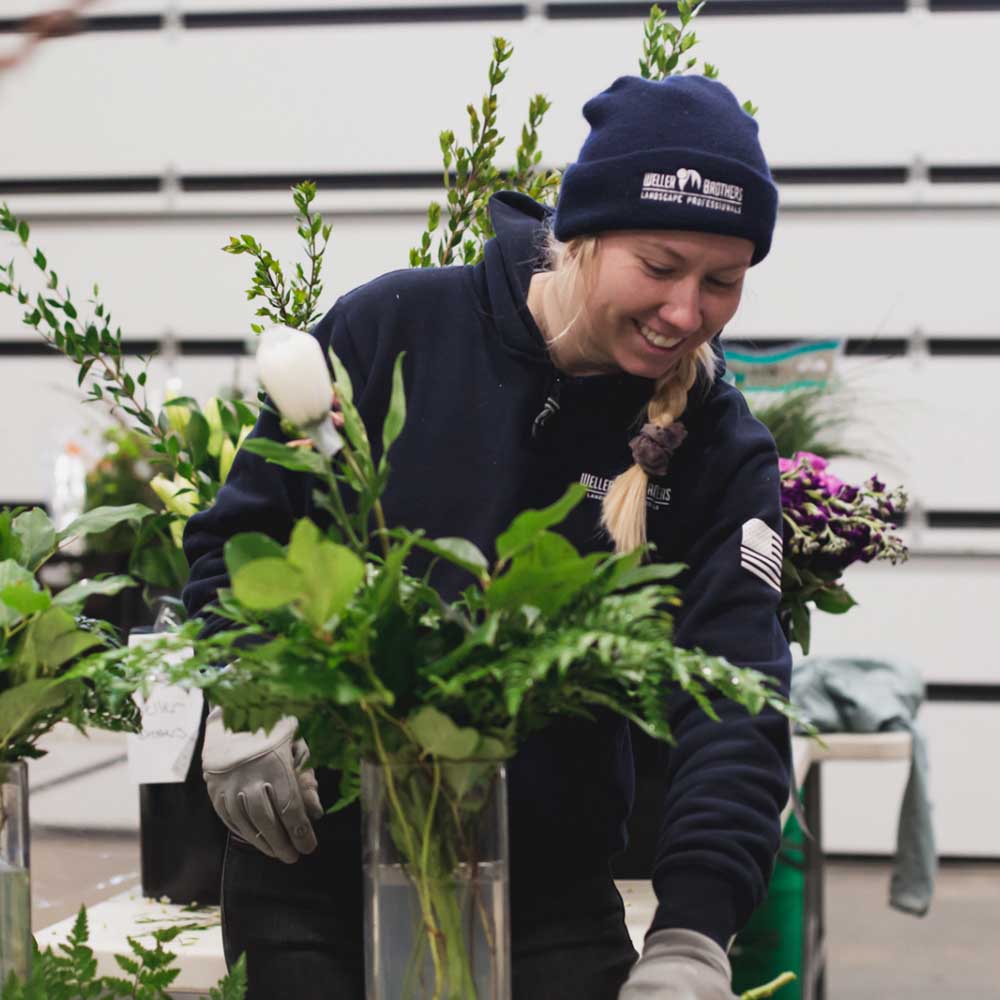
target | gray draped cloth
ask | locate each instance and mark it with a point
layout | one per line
(843, 694)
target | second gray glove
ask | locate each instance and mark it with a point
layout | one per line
(259, 788)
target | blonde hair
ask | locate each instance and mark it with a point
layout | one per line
(623, 513)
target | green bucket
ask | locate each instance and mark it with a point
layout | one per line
(771, 943)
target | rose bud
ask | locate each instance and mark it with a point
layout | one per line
(292, 369)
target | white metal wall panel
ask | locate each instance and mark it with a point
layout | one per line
(102, 8)
(41, 410)
(939, 615)
(320, 97)
(853, 274)
(337, 98)
(861, 800)
(96, 104)
(874, 274)
(307, 101)
(170, 274)
(957, 104)
(928, 423)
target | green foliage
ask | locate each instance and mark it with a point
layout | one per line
(289, 302)
(70, 972)
(42, 676)
(475, 178)
(374, 663)
(665, 47)
(190, 448)
(809, 419)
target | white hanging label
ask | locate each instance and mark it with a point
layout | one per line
(171, 716)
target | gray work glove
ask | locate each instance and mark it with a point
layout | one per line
(678, 964)
(258, 787)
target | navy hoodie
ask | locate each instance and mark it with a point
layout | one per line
(477, 377)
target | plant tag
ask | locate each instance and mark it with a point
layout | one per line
(171, 718)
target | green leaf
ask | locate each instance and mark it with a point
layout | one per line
(13, 574)
(459, 551)
(37, 536)
(25, 599)
(835, 600)
(396, 416)
(78, 592)
(546, 576)
(295, 459)
(354, 427)
(53, 639)
(197, 434)
(303, 543)
(527, 526)
(10, 544)
(266, 584)
(248, 546)
(800, 627)
(102, 518)
(437, 734)
(653, 573)
(332, 573)
(22, 704)
(234, 985)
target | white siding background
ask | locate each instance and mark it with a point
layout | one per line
(904, 269)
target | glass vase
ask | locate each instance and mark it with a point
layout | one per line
(436, 880)
(15, 888)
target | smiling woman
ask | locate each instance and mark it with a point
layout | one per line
(646, 267)
(578, 350)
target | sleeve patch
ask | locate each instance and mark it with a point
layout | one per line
(761, 552)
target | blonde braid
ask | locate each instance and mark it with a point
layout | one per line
(623, 513)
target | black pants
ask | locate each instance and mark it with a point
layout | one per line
(301, 927)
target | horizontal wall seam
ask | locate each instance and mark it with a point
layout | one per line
(729, 8)
(440, 14)
(105, 22)
(963, 692)
(443, 13)
(963, 6)
(820, 176)
(236, 345)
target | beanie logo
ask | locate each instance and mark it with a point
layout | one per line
(704, 193)
(684, 175)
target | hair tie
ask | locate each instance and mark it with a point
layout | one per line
(654, 445)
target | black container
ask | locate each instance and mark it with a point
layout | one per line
(182, 838)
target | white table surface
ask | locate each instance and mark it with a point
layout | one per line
(199, 951)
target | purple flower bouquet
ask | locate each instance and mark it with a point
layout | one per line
(829, 525)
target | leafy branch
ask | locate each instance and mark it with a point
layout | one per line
(289, 303)
(89, 344)
(191, 447)
(664, 44)
(476, 178)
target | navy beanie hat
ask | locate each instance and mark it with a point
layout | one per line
(678, 153)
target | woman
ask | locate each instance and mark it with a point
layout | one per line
(582, 348)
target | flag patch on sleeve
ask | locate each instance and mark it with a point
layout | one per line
(760, 552)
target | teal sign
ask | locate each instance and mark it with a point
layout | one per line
(809, 364)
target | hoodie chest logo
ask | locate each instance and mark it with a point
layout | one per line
(657, 497)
